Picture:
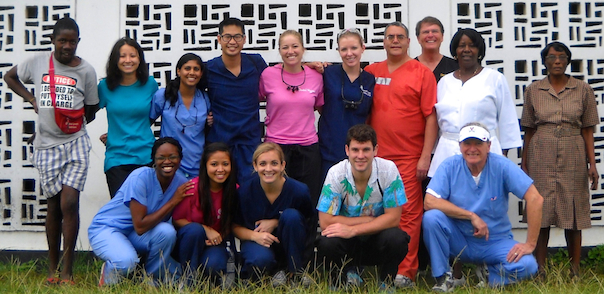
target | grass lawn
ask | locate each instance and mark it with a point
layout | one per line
(30, 277)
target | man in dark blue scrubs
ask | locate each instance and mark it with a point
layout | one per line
(233, 89)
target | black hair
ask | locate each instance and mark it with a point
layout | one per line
(171, 93)
(428, 20)
(229, 22)
(558, 46)
(361, 133)
(65, 23)
(114, 75)
(476, 38)
(162, 141)
(229, 189)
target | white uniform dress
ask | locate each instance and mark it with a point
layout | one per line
(484, 98)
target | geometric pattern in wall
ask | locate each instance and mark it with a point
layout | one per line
(25, 27)
(515, 32)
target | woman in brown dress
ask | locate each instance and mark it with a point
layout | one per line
(559, 116)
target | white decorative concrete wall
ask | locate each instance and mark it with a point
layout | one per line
(515, 32)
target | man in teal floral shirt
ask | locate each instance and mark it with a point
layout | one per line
(359, 211)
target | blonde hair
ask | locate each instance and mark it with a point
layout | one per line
(353, 32)
(266, 147)
(292, 33)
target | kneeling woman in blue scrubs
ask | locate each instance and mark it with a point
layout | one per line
(135, 222)
(184, 106)
(273, 219)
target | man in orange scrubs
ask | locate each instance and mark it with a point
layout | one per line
(404, 119)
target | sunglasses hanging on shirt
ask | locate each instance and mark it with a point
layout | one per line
(293, 88)
(349, 104)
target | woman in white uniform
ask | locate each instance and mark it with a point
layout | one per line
(473, 93)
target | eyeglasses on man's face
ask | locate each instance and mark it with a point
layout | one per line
(399, 37)
(228, 37)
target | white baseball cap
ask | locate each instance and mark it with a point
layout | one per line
(477, 132)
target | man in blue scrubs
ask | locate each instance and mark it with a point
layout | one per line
(233, 89)
(466, 217)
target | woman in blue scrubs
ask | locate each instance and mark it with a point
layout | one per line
(135, 223)
(273, 219)
(184, 107)
(348, 98)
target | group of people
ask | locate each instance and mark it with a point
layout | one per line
(210, 179)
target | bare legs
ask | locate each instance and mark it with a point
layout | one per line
(573, 243)
(62, 218)
(541, 248)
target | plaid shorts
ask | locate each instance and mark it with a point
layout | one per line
(65, 164)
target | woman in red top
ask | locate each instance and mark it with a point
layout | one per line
(204, 220)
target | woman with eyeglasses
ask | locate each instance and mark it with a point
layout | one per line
(134, 224)
(473, 93)
(184, 107)
(293, 92)
(348, 97)
(559, 116)
(126, 93)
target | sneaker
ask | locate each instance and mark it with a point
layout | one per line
(444, 283)
(304, 280)
(403, 282)
(482, 273)
(279, 279)
(102, 278)
(353, 279)
(461, 282)
(386, 288)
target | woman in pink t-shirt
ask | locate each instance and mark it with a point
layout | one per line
(293, 92)
(204, 220)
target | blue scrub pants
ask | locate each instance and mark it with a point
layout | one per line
(243, 158)
(194, 254)
(121, 252)
(291, 232)
(444, 239)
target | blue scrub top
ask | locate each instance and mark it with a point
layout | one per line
(335, 120)
(141, 185)
(254, 206)
(187, 127)
(235, 102)
(489, 199)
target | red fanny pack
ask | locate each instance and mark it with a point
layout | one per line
(68, 120)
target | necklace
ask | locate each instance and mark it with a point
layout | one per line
(473, 73)
(293, 88)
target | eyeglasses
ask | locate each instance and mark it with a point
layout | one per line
(392, 37)
(171, 158)
(228, 37)
(351, 104)
(554, 57)
(178, 120)
(351, 31)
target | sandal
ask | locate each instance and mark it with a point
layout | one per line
(52, 281)
(67, 282)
